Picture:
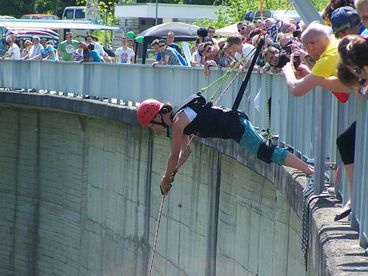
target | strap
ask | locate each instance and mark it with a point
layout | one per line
(247, 77)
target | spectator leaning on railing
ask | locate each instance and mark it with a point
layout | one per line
(323, 49)
(13, 52)
(26, 48)
(164, 55)
(67, 47)
(240, 51)
(344, 21)
(35, 49)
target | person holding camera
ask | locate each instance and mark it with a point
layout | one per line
(323, 50)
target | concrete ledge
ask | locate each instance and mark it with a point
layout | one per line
(333, 246)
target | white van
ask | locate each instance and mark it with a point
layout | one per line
(81, 13)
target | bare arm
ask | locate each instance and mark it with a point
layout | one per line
(300, 87)
(185, 152)
(334, 84)
(179, 141)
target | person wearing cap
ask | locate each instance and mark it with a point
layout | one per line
(196, 117)
(13, 52)
(346, 21)
(165, 55)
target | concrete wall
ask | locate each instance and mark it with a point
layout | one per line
(79, 196)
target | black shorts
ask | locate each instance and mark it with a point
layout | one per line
(346, 144)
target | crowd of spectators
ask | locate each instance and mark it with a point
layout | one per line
(90, 50)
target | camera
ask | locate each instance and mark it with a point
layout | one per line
(296, 61)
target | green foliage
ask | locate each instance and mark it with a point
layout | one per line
(16, 7)
(106, 10)
(320, 4)
(237, 8)
(53, 6)
(222, 20)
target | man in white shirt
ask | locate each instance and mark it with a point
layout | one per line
(124, 54)
(241, 52)
(13, 52)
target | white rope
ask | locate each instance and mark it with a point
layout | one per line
(156, 236)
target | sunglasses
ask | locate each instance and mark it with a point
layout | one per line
(241, 29)
(209, 49)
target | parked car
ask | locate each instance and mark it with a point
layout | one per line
(81, 13)
(40, 16)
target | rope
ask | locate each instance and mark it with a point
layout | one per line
(156, 236)
(225, 76)
(158, 222)
(226, 88)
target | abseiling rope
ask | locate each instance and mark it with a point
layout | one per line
(156, 236)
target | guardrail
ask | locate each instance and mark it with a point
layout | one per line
(309, 124)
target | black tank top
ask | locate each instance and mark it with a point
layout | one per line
(216, 122)
(212, 122)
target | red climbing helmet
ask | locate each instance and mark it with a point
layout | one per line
(147, 110)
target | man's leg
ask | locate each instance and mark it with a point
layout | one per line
(346, 145)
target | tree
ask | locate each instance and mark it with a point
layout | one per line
(16, 7)
(53, 6)
(237, 8)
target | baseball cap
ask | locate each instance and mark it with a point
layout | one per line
(344, 18)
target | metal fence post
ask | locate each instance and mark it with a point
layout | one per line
(319, 145)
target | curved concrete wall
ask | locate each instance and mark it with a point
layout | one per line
(79, 196)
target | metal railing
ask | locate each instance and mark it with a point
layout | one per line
(308, 124)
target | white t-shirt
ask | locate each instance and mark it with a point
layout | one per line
(124, 55)
(99, 49)
(14, 52)
(246, 49)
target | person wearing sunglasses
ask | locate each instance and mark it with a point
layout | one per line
(163, 54)
(244, 30)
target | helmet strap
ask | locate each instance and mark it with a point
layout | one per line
(162, 123)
